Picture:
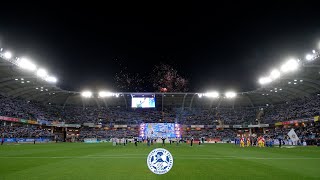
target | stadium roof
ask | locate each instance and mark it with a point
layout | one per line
(17, 82)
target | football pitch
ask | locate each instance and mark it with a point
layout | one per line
(104, 161)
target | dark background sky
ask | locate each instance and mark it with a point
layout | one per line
(216, 46)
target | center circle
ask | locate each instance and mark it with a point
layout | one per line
(160, 161)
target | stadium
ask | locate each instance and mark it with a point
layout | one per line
(52, 132)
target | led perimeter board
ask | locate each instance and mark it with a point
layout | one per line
(156, 130)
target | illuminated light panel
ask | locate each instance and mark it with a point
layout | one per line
(265, 80)
(26, 64)
(230, 94)
(212, 94)
(290, 66)
(86, 94)
(7, 55)
(42, 73)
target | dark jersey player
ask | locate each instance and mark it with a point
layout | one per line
(163, 139)
(191, 141)
(135, 141)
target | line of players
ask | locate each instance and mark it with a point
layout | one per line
(260, 142)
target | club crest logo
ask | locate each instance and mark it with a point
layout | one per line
(160, 161)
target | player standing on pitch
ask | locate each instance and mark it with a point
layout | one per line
(191, 141)
(163, 139)
(248, 142)
(242, 142)
(135, 141)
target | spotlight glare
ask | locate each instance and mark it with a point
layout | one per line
(7, 55)
(26, 64)
(86, 94)
(265, 80)
(103, 94)
(230, 94)
(309, 57)
(290, 65)
(275, 74)
(212, 94)
(42, 73)
(51, 79)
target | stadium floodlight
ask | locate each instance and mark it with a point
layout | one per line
(86, 94)
(103, 94)
(213, 94)
(275, 74)
(26, 64)
(51, 79)
(290, 65)
(7, 55)
(265, 80)
(42, 73)
(309, 57)
(230, 94)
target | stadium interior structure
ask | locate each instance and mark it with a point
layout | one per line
(288, 97)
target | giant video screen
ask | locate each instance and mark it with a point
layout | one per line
(143, 102)
(156, 130)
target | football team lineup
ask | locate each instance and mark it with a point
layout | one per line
(102, 160)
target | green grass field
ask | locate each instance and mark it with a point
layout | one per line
(104, 161)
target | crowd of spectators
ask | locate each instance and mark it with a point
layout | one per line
(224, 134)
(24, 132)
(306, 107)
(311, 131)
(107, 134)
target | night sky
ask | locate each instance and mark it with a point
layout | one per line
(216, 46)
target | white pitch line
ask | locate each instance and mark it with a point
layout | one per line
(128, 157)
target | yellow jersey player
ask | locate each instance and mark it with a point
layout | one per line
(242, 142)
(261, 141)
(248, 142)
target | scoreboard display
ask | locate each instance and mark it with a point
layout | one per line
(143, 101)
